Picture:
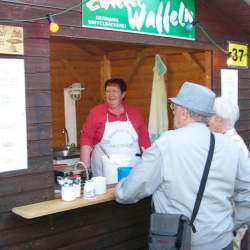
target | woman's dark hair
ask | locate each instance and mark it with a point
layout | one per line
(116, 81)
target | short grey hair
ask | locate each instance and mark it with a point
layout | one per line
(226, 110)
(199, 118)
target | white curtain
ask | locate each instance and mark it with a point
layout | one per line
(158, 116)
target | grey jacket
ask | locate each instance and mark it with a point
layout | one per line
(171, 170)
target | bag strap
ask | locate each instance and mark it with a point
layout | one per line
(203, 181)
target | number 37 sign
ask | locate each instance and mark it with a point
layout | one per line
(239, 54)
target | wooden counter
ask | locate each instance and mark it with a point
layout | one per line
(55, 206)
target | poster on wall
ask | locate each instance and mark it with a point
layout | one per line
(11, 40)
(161, 18)
(229, 84)
(13, 131)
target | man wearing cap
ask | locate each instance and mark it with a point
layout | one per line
(172, 167)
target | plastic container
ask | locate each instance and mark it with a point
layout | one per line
(111, 164)
(89, 190)
(100, 184)
(123, 172)
(68, 193)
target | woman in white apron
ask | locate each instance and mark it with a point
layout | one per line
(119, 134)
(119, 138)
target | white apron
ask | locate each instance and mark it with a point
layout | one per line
(119, 137)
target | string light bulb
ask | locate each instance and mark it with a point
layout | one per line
(53, 26)
(229, 59)
(190, 26)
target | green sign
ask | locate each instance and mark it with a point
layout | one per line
(153, 17)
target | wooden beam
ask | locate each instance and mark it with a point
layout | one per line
(135, 67)
(166, 50)
(93, 49)
(148, 52)
(66, 48)
(194, 62)
(105, 69)
(122, 54)
(72, 51)
(208, 69)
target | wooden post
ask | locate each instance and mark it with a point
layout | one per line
(194, 62)
(105, 73)
(135, 66)
(208, 69)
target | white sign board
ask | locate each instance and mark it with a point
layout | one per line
(229, 84)
(13, 131)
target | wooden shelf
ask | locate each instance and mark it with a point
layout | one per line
(56, 206)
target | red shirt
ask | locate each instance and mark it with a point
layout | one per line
(93, 128)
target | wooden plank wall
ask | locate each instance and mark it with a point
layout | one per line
(126, 226)
(71, 62)
(77, 229)
(139, 88)
(104, 226)
(73, 65)
(222, 30)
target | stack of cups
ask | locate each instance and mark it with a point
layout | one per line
(100, 184)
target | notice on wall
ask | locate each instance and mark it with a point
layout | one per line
(13, 131)
(11, 40)
(229, 84)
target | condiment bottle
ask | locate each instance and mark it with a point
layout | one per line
(77, 185)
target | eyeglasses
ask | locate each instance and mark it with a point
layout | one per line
(172, 106)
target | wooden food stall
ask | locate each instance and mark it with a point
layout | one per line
(76, 54)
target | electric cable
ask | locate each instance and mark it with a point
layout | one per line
(210, 39)
(44, 17)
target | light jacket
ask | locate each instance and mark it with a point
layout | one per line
(171, 170)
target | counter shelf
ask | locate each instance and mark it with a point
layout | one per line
(58, 205)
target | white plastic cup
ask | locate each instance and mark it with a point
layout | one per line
(68, 193)
(100, 184)
(111, 164)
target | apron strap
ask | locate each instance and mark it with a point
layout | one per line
(127, 116)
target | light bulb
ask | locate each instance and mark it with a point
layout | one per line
(53, 27)
(229, 61)
(188, 27)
